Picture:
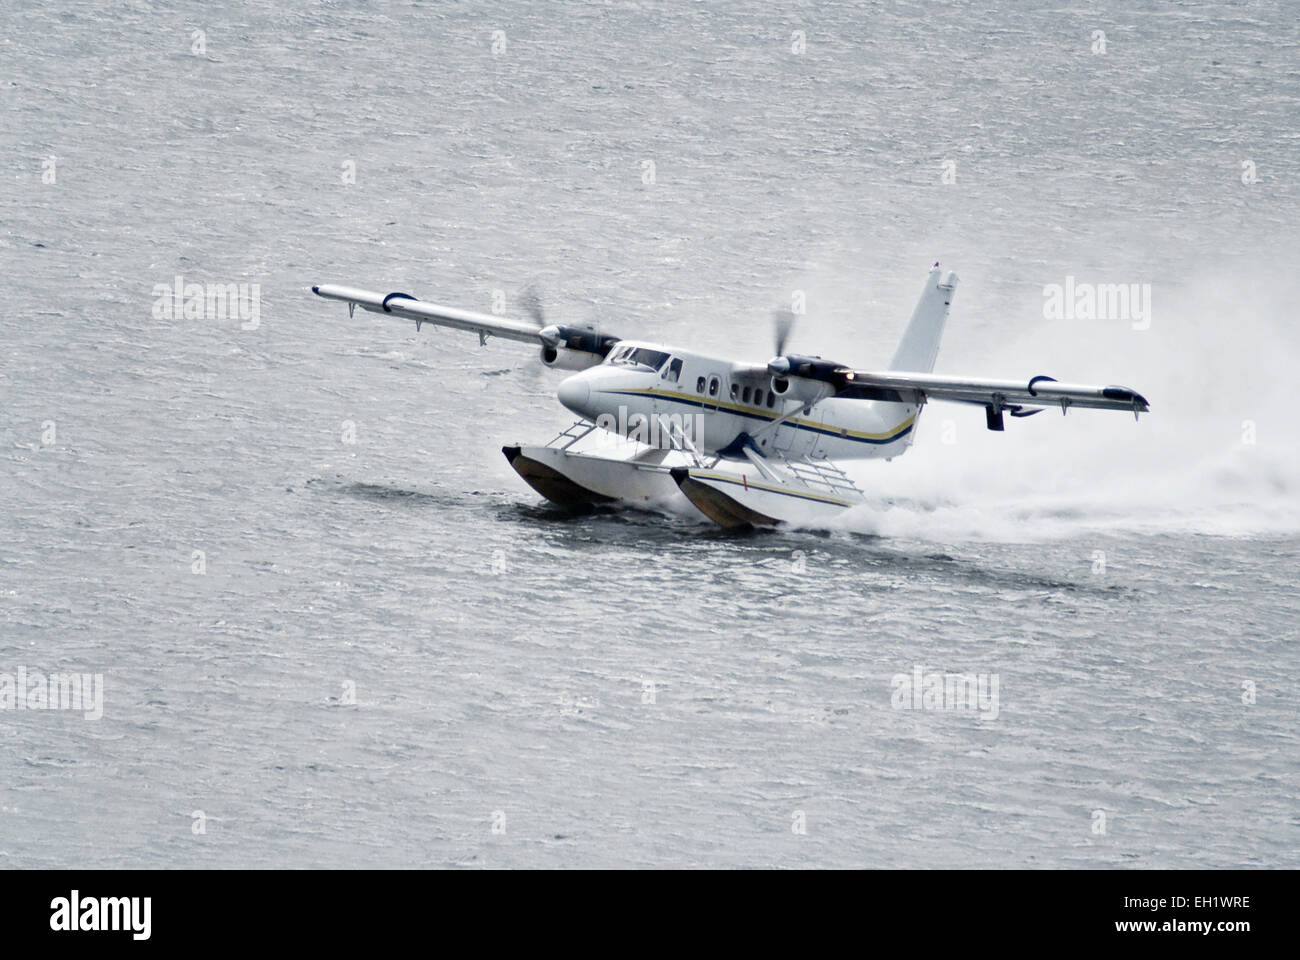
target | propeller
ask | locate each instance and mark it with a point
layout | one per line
(531, 303)
(783, 366)
(553, 334)
(782, 324)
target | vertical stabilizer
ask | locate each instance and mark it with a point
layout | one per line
(919, 347)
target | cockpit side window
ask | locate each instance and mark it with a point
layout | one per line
(673, 370)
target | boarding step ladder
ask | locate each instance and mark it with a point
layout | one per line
(822, 474)
(572, 434)
(678, 441)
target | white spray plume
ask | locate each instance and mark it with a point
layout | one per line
(1219, 366)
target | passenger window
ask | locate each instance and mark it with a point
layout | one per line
(713, 386)
(744, 394)
(758, 396)
(699, 385)
(771, 399)
(735, 390)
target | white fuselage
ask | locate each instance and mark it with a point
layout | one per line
(636, 393)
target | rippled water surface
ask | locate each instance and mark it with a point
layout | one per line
(395, 655)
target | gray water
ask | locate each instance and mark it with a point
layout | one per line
(395, 655)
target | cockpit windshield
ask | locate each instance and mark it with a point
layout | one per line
(640, 355)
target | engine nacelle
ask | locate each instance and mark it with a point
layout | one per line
(562, 358)
(571, 348)
(807, 392)
(806, 379)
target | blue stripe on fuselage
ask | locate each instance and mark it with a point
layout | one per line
(766, 418)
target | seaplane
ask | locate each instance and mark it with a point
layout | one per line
(743, 444)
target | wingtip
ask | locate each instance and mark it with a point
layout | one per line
(1127, 395)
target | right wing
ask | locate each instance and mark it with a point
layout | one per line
(998, 394)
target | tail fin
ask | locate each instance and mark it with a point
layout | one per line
(919, 347)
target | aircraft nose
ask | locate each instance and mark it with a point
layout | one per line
(574, 394)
